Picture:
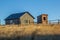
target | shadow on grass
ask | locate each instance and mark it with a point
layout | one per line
(47, 37)
(37, 37)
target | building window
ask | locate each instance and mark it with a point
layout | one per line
(26, 21)
(44, 18)
(11, 21)
(29, 21)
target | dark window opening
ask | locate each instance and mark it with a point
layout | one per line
(26, 21)
(11, 21)
(29, 21)
(44, 18)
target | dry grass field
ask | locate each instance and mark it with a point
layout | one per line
(10, 31)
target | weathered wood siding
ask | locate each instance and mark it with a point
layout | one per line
(42, 19)
(14, 21)
(26, 16)
(46, 19)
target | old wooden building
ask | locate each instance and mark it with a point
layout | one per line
(20, 18)
(42, 19)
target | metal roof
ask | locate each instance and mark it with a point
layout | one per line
(17, 15)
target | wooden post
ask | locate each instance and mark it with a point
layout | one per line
(58, 21)
(0, 21)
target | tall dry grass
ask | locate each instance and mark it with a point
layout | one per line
(28, 32)
(15, 30)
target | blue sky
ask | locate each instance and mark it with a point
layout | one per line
(35, 7)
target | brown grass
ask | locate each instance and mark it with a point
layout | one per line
(15, 30)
